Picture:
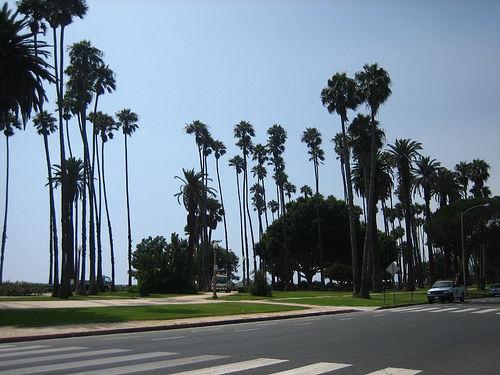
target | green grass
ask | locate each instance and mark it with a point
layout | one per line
(50, 317)
(335, 298)
(103, 295)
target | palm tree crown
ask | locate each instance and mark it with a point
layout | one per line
(127, 120)
(340, 95)
(374, 86)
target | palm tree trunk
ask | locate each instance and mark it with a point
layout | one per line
(410, 284)
(243, 263)
(76, 247)
(432, 270)
(223, 210)
(4, 232)
(318, 221)
(128, 218)
(352, 222)
(265, 202)
(110, 231)
(245, 258)
(98, 210)
(245, 182)
(376, 271)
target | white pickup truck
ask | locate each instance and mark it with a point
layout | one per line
(445, 291)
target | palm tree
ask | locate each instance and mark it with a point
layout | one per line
(45, 125)
(192, 192)
(464, 171)
(374, 89)
(219, 150)
(243, 132)
(340, 95)
(447, 188)
(312, 138)
(276, 147)
(106, 126)
(259, 204)
(21, 90)
(338, 148)
(426, 175)
(74, 178)
(306, 190)
(274, 206)
(237, 162)
(260, 155)
(289, 190)
(405, 152)
(7, 125)
(479, 175)
(127, 120)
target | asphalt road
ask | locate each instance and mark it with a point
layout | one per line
(430, 339)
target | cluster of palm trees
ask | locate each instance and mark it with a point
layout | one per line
(81, 181)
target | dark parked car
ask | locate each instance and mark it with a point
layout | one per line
(495, 290)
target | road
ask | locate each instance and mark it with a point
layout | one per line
(428, 339)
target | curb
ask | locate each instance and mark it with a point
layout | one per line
(168, 326)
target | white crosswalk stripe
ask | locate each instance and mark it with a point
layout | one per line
(484, 311)
(234, 367)
(4, 346)
(39, 351)
(92, 362)
(314, 369)
(464, 310)
(152, 365)
(4, 350)
(446, 309)
(395, 371)
(57, 357)
(426, 309)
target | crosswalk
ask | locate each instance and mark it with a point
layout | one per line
(21, 359)
(458, 309)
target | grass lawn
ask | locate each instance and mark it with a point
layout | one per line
(48, 317)
(335, 298)
(103, 295)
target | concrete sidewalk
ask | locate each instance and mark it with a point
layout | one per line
(12, 334)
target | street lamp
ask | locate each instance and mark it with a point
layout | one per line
(463, 240)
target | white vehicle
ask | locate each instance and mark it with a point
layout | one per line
(445, 291)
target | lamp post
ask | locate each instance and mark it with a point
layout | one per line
(463, 240)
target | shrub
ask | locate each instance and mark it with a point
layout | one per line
(22, 288)
(259, 286)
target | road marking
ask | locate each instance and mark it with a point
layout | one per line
(314, 369)
(168, 338)
(152, 365)
(247, 330)
(464, 310)
(2, 347)
(427, 309)
(40, 351)
(204, 329)
(395, 371)
(446, 309)
(122, 337)
(303, 324)
(379, 314)
(23, 348)
(484, 311)
(75, 364)
(346, 318)
(49, 358)
(234, 367)
(405, 309)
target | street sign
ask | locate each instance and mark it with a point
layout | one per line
(392, 268)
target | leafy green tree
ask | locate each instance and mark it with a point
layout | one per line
(237, 162)
(7, 126)
(45, 125)
(405, 152)
(127, 121)
(374, 89)
(340, 95)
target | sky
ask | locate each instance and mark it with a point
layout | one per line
(264, 62)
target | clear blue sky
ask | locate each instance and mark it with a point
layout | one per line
(265, 62)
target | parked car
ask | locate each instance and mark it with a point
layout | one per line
(495, 290)
(445, 290)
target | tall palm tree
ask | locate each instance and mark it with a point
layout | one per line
(237, 162)
(219, 150)
(244, 132)
(374, 89)
(306, 190)
(276, 147)
(479, 175)
(338, 148)
(7, 125)
(192, 192)
(340, 95)
(127, 120)
(312, 138)
(21, 90)
(405, 152)
(45, 125)
(426, 174)
(261, 156)
(274, 207)
(259, 204)
(464, 171)
(289, 190)
(106, 126)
